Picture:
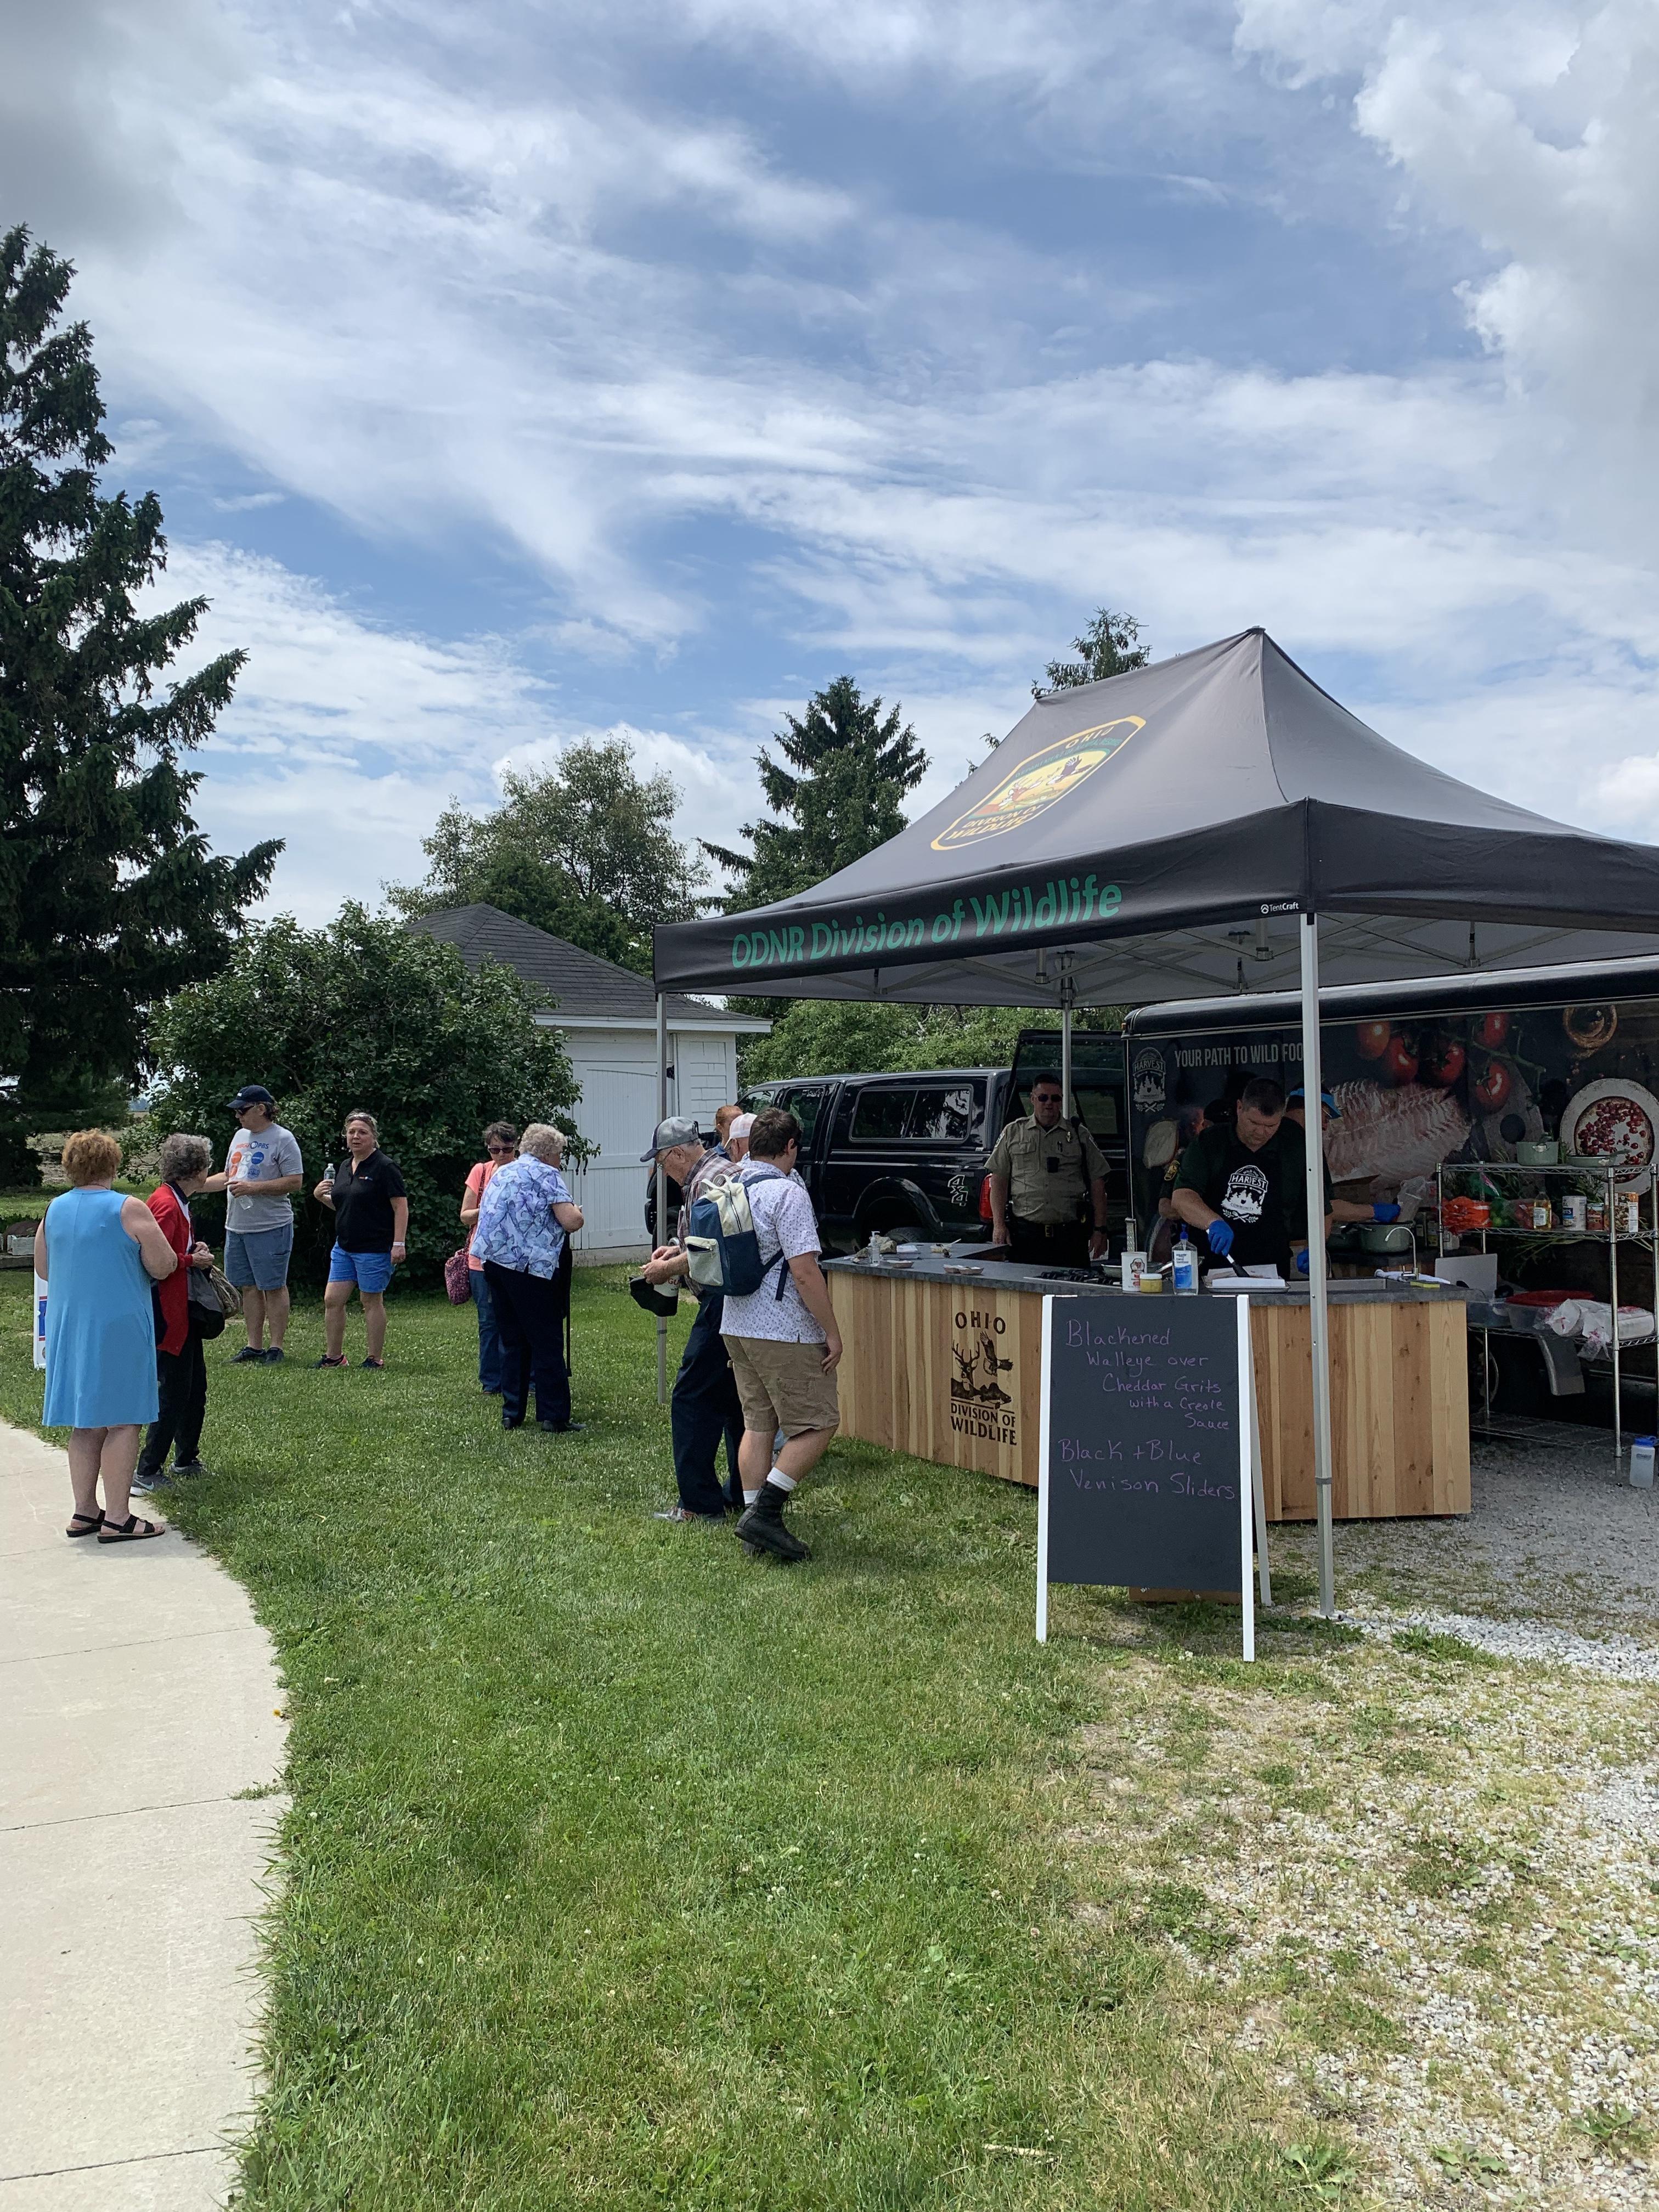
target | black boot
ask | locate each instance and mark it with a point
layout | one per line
(761, 1526)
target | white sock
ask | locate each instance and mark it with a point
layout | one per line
(781, 1481)
(749, 1496)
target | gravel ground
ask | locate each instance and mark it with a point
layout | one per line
(1557, 1537)
(1415, 1873)
(1421, 1891)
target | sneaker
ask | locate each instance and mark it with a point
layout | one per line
(684, 1513)
(562, 1428)
(144, 1483)
(326, 1362)
(378, 1365)
(245, 1357)
(274, 1357)
(762, 1529)
(190, 1468)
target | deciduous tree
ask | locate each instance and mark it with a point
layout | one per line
(364, 1013)
(843, 1037)
(585, 849)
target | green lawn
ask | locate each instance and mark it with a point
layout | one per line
(624, 1869)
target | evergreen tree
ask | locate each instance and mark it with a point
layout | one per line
(585, 850)
(109, 898)
(842, 779)
(1107, 647)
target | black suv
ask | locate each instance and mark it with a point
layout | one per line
(905, 1155)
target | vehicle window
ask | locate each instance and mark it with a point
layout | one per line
(880, 1113)
(1099, 1109)
(946, 1113)
(805, 1106)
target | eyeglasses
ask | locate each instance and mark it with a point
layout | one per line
(1045, 1098)
(508, 1150)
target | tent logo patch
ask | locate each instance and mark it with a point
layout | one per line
(1040, 783)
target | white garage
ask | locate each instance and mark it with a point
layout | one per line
(608, 1016)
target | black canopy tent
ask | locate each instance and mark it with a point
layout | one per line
(1177, 832)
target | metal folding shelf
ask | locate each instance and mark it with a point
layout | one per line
(1609, 1176)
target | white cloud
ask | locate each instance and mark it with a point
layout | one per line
(345, 736)
(1535, 130)
(489, 279)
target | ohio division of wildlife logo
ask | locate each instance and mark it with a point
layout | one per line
(984, 1386)
(1040, 783)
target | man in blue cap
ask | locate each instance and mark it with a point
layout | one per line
(1342, 1209)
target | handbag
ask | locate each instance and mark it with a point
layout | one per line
(213, 1290)
(457, 1279)
(211, 1299)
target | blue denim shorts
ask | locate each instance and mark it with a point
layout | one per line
(370, 1271)
(257, 1259)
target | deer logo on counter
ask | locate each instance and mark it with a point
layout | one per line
(980, 1406)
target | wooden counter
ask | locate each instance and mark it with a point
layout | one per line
(951, 1368)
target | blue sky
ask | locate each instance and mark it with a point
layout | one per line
(514, 372)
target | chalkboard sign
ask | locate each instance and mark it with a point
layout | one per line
(1145, 1463)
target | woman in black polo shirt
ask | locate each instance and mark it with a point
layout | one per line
(371, 1213)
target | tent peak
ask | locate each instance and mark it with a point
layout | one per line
(1128, 675)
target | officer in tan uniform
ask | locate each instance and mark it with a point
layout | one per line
(1049, 1185)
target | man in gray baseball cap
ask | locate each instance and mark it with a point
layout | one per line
(670, 1136)
(705, 1405)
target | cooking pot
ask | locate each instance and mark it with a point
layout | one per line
(1541, 1154)
(1388, 1236)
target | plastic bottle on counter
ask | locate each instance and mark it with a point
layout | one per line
(1184, 1269)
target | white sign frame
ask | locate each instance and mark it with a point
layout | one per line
(1252, 1501)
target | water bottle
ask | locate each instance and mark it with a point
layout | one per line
(1184, 1268)
(1641, 1462)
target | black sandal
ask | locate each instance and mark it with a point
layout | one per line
(133, 1530)
(93, 1524)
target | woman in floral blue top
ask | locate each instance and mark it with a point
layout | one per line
(524, 1216)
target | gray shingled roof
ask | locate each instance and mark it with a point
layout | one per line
(579, 981)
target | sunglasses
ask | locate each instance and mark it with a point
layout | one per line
(1045, 1098)
(506, 1150)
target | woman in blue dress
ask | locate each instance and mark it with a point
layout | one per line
(98, 1254)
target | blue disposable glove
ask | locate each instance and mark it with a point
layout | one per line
(1220, 1236)
(1385, 1213)
(1302, 1261)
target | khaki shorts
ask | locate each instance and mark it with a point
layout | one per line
(783, 1386)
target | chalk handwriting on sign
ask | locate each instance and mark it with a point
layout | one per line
(1146, 1467)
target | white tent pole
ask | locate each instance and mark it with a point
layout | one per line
(662, 1189)
(1318, 1307)
(1066, 1108)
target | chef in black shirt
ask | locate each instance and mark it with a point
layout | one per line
(1244, 1185)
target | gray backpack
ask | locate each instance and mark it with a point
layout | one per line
(722, 1246)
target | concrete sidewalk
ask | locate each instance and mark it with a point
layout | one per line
(136, 1698)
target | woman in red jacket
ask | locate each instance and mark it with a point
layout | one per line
(180, 1369)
